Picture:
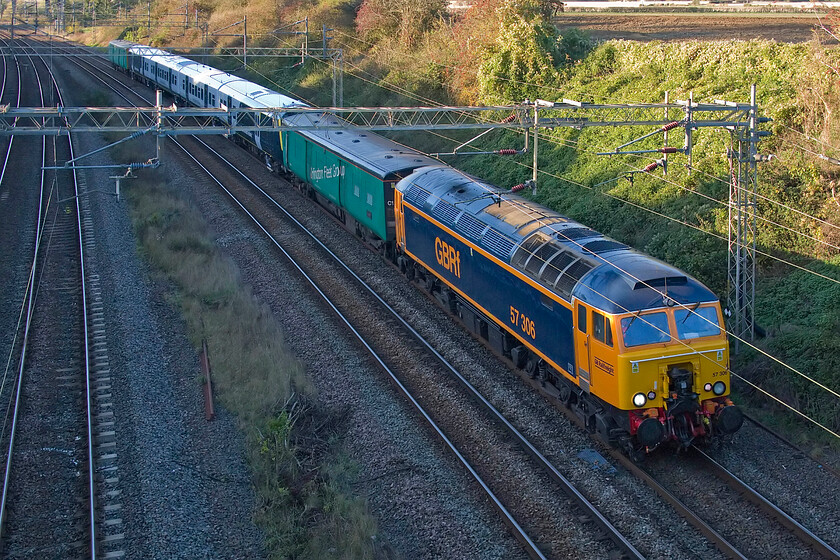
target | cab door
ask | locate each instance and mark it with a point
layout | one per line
(583, 347)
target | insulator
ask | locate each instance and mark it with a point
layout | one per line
(518, 187)
(669, 150)
(506, 152)
(510, 118)
(670, 125)
(650, 167)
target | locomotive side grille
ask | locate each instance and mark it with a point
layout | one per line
(537, 260)
(527, 248)
(555, 268)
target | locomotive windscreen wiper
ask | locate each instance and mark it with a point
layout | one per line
(636, 316)
(690, 311)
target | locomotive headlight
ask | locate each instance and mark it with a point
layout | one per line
(651, 396)
(719, 388)
(639, 400)
(707, 387)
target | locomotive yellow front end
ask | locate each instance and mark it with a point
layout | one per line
(674, 361)
(662, 373)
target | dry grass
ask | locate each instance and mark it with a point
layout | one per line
(295, 448)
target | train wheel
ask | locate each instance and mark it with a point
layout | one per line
(565, 395)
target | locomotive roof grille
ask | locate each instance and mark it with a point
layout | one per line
(661, 282)
(471, 226)
(446, 211)
(574, 233)
(566, 282)
(497, 243)
(417, 195)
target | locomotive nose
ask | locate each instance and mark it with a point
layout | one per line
(728, 420)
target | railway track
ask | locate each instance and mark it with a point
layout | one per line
(48, 495)
(705, 527)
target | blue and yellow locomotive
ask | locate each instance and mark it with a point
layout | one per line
(633, 345)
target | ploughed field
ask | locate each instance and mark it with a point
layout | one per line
(787, 28)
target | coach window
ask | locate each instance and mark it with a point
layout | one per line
(601, 328)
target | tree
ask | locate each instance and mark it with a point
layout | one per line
(405, 21)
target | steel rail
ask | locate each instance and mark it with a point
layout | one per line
(719, 541)
(91, 465)
(800, 531)
(31, 296)
(2, 92)
(32, 293)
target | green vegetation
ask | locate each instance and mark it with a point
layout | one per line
(295, 449)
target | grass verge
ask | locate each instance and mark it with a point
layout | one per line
(300, 471)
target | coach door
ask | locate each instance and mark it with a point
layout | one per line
(583, 346)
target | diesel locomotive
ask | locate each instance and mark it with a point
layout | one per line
(635, 347)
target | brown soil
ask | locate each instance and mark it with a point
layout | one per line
(671, 27)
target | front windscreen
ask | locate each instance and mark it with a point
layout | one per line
(696, 323)
(645, 329)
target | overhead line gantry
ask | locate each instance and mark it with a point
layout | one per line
(741, 119)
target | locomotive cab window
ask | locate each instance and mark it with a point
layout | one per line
(696, 323)
(645, 329)
(601, 328)
(581, 318)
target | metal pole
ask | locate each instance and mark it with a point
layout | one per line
(334, 72)
(688, 131)
(245, 42)
(536, 130)
(665, 140)
(753, 205)
(159, 136)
